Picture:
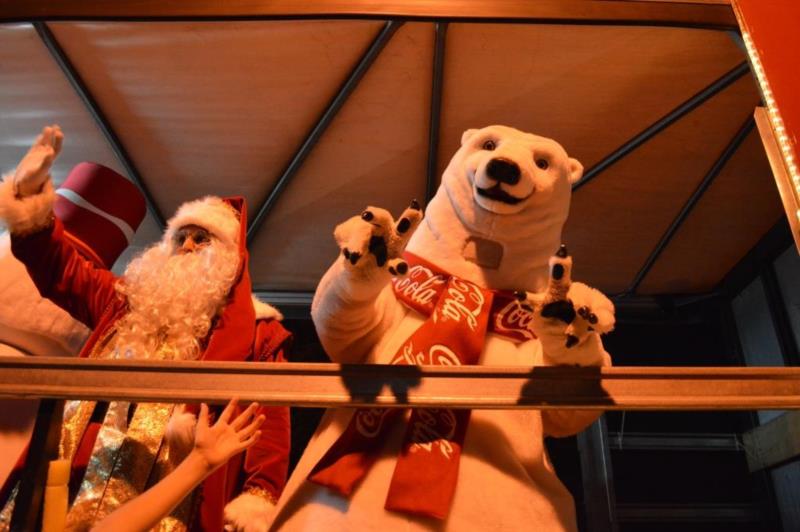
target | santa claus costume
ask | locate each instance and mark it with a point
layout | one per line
(119, 449)
(100, 227)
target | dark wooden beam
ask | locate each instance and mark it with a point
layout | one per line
(689, 513)
(80, 87)
(338, 101)
(664, 122)
(648, 441)
(713, 172)
(43, 448)
(597, 477)
(541, 11)
(431, 178)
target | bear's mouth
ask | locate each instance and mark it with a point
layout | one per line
(496, 193)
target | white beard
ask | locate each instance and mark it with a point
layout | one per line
(173, 300)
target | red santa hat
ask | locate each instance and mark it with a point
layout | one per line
(101, 211)
(213, 214)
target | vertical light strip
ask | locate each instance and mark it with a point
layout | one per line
(774, 115)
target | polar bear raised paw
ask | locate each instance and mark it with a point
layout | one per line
(375, 241)
(568, 313)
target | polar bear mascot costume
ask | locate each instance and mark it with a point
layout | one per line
(483, 280)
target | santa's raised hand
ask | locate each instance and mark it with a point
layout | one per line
(33, 170)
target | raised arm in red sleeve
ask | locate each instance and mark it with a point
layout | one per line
(62, 275)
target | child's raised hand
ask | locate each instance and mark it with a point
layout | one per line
(216, 444)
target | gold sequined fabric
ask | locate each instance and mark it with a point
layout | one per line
(101, 464)
(264, 494)
(78, 414)
(136, 456)
(170, 523)
(126, 458)
(125, 461)
(180, 518)
(8, 510)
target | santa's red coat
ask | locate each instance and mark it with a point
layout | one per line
(88, 294)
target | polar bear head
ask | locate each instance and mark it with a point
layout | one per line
(502, 171)
(502, 204)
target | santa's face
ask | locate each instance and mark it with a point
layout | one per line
(191, 238)
(174, 291)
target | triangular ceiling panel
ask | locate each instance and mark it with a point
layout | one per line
(591, 88)
(210, 108)
(617, 219)
(35, 93)
(374, 153)
(221, 107)
(739, 207)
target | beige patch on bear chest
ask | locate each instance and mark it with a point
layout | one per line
(485, 253)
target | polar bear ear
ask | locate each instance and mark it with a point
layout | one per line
(467, 135)
(574, 170)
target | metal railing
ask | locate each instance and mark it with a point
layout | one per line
(333, 385)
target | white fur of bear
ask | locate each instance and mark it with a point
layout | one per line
(498, 227)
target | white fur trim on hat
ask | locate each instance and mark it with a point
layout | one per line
(25, 215)
(210, 213)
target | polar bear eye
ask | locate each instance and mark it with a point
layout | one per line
(489, 145)
(542, 163)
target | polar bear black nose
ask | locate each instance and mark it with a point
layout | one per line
(503, 170)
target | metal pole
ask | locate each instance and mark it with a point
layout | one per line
(80, 87)
(322, 124)
(436, 110)
(664, 122)
(730, 149)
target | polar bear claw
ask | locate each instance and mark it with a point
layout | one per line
(568, 310)
(374, 240)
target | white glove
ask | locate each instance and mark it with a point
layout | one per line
(33, 171)
(248, 513)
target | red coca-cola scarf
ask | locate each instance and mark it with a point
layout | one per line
(421, 288)
(459, 315)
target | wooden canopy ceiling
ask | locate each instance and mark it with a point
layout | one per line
(312, 111)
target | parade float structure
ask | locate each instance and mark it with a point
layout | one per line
(313, 110)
